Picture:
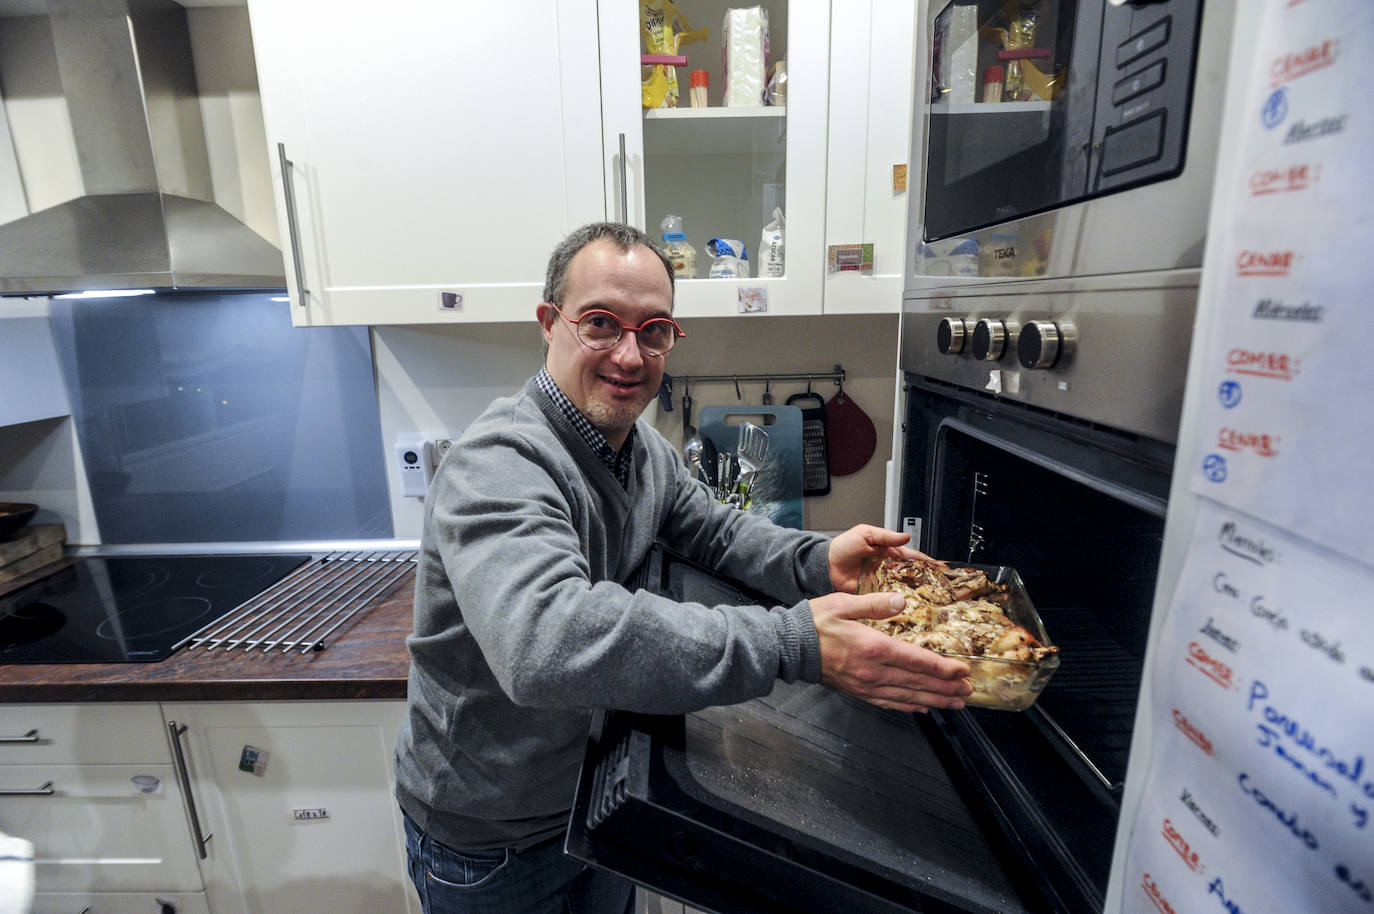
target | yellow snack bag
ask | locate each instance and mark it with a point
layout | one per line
(664, 30)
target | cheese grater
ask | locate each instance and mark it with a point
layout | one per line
(815, 448)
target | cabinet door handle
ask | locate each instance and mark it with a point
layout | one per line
(42, 790)
(184, 777)
(30, 737)
(292, 223)
(624, 193)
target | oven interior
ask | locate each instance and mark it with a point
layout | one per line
(1078, 510)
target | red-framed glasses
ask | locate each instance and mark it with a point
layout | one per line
(601, 329)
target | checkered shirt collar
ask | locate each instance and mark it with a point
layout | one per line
(618, 464)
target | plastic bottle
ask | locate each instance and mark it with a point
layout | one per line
(681, 254)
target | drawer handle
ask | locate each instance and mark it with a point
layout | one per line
(30, 737)
(184, 776)
(292, 223)
(43, 790)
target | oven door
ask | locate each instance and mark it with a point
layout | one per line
(1078, 509)
(802, 801)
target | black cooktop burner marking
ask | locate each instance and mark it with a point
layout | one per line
(154, 618)
(29, 623)
(215, 578)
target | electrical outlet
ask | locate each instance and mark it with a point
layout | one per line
(436, 447)
(413, 466)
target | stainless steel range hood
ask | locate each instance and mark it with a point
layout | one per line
(146, 220)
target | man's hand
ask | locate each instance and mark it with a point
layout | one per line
(863, 662)
(850, 548)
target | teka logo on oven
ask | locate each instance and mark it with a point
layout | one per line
(1196, 736)
(1211, 667)
(1152, 892)
(1264, 263)
(1283, 180)
(1288, 67)
(1261, 444)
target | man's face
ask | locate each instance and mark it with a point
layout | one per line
(610, 386)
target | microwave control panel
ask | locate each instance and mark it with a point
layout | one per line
(1145, 80)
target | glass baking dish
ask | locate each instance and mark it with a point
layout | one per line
(1006, 685)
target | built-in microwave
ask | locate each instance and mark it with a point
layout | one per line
(1065, 138)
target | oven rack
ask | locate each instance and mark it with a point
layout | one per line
(305, 608)
(1089, 708)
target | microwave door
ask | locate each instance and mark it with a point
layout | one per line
(803, 801)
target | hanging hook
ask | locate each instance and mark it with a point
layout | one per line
(738, 395)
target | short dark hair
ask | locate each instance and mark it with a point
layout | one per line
(624, 237)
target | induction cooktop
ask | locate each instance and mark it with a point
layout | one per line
(129, 609)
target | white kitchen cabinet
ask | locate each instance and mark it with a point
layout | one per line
(724, 169)
(873, 70)
(436, 155)
(317, 828)
(95, 789)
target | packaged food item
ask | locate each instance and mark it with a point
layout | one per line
(1022, 25)
(992, 83)
(681, 255)
(954, 54)
(771, 246)
(664, 31)
(951, 257)
(776, 93)
(744, 56)
(700, 82)
(729, 259)
(1014, 28)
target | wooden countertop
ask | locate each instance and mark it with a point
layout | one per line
(366, 660)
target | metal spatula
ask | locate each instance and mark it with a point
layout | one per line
(751, 452)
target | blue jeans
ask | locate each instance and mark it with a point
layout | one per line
(537, 880)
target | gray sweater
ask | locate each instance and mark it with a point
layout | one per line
(523, 622)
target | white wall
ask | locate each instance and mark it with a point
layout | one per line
(432, 381)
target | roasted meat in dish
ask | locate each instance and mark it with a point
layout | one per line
(953, 610)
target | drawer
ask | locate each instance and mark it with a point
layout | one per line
(32, 734)
(95, 828)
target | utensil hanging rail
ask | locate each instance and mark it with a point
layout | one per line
(836, 374)
(303, 609)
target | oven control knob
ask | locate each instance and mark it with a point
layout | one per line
(989, 339)
(952, 335)
(1040, 344)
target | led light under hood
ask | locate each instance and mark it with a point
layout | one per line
(107, 293)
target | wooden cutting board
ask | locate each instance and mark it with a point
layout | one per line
(33, 547)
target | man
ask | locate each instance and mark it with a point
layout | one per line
(535, 520)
